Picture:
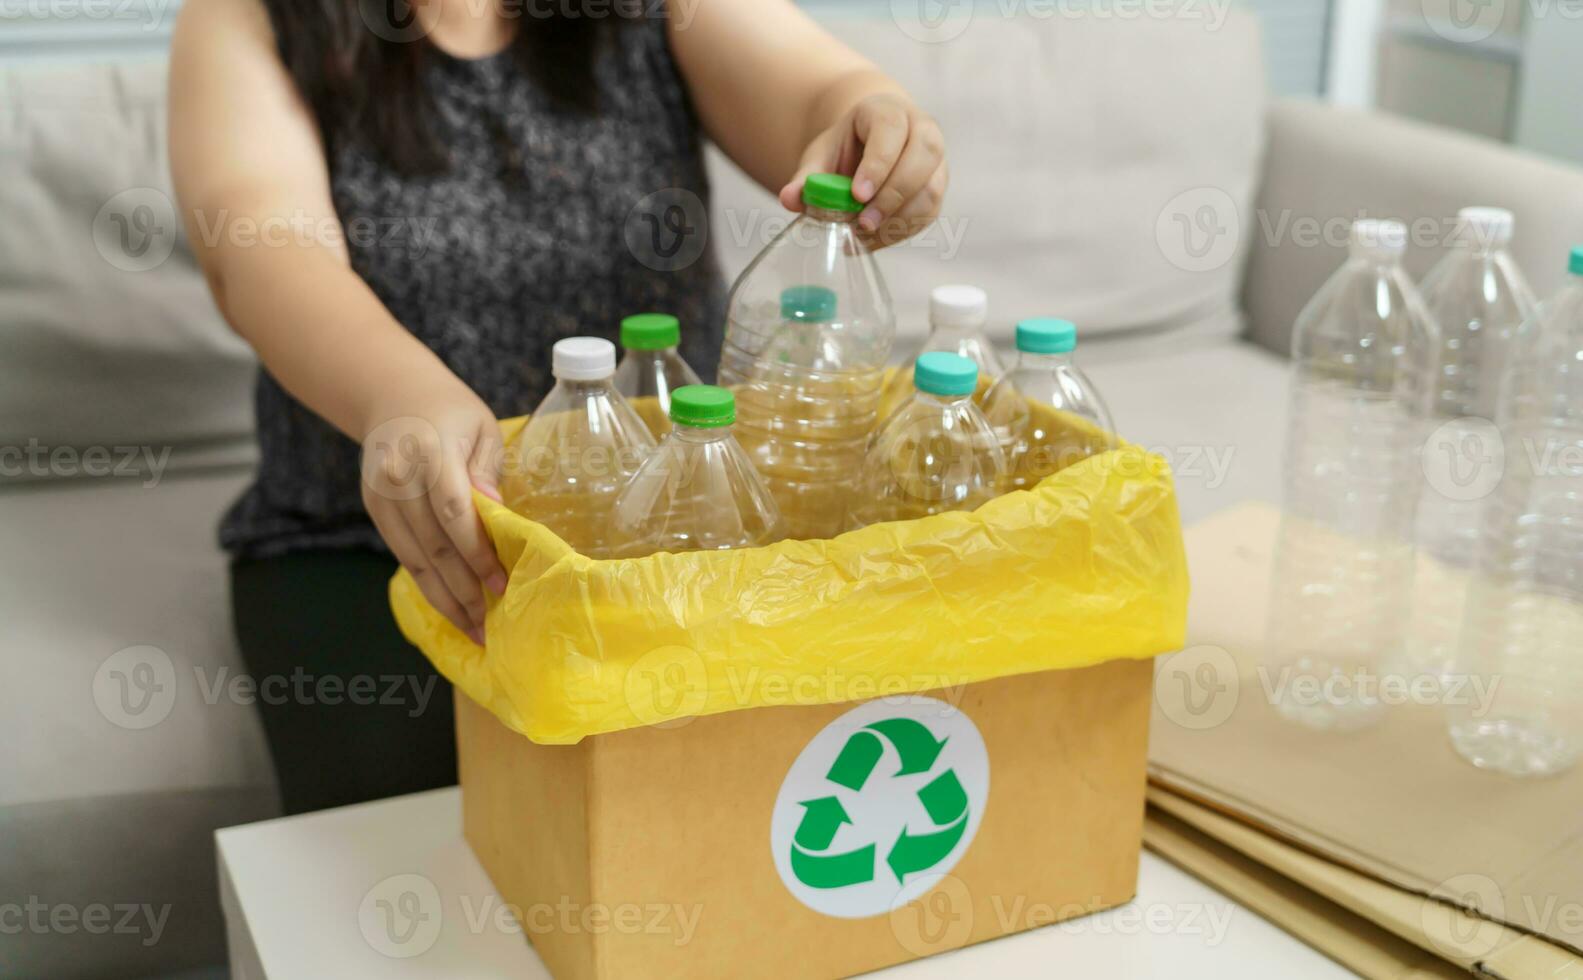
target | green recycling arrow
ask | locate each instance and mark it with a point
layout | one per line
(833, 870)
(820, 820)
(919, 852)
(946, 801)
(914, 743)
(856, 762)
(943, 798)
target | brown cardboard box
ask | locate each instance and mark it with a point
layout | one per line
(673, 851)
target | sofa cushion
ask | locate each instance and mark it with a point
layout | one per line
(109, 338)
(1215, 411)
(1082, 149)
(126, 742)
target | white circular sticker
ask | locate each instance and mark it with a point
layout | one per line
(880, 806)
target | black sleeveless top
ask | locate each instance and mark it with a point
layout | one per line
(546, 224)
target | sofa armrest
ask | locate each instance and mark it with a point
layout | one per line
(1326, 166)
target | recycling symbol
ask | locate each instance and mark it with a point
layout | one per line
(879, 805)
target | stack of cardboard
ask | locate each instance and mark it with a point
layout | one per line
(1383, 848)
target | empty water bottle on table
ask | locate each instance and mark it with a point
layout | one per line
(1363, 352)
(1037, 443)
(651, 368)
(935, 453)
(1524, 629)
(578, 450)
(1480, 302)
(809, 327)
(698, 491)
(957, 317)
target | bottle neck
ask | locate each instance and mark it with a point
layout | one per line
(826, 214)
(584, 387)
(651, 353)
(1033, 359)
(943, 401)
(941, 331)
(699, 435)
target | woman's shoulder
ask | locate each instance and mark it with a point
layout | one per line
(223, 22)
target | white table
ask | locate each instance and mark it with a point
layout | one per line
(315, 896)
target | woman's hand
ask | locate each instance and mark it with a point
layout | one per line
(895, 154)
(422, 457)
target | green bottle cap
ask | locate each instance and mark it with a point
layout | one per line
(943, 373)
(831, 192)
(1575, 263)
(703, 406)
(1046, 335)
(650, 331)
(814, 304)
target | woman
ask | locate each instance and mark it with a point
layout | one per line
(401, 209)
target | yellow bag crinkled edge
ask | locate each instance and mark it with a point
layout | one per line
(1084, 568)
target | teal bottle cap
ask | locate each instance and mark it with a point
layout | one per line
(830, 192)
(1575, 263)
(703, 406)
(815, 304)
(650, 331)
(1046, 335)
(942, 373)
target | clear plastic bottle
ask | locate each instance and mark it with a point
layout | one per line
(1480, 301)
(1045, 375)
(1363, 352)
(809, 328)
(957, 317)
(651, 368)
(1524, 631)
(935, 453)
(698, 491)
(578, 449)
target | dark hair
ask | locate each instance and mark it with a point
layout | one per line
(361, 75)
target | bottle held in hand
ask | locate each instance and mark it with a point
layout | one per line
(809, 328)
(578, 450)
(698, 491)
(652, 368)
(935, 453)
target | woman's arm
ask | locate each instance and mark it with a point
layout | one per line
(254, 187)
(784, 99)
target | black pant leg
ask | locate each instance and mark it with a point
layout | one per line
(351, 710)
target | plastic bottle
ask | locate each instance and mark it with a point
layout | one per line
(1480, 301)
(957, 316)
(1524, 632)
(698, 491)
(578, 449)
(651, 368)
(1038, 444)
(809, 328)
(935, 453)
(1363, 352)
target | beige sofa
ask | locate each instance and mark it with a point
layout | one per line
(1127, 174)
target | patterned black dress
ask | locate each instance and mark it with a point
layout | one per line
(547, 224)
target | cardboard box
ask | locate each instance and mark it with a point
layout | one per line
(710, 847)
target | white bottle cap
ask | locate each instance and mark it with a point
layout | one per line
(1488, 227)
(583, 358)
(958, 306)
(1378, 238)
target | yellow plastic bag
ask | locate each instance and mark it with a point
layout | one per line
(1086, 567)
